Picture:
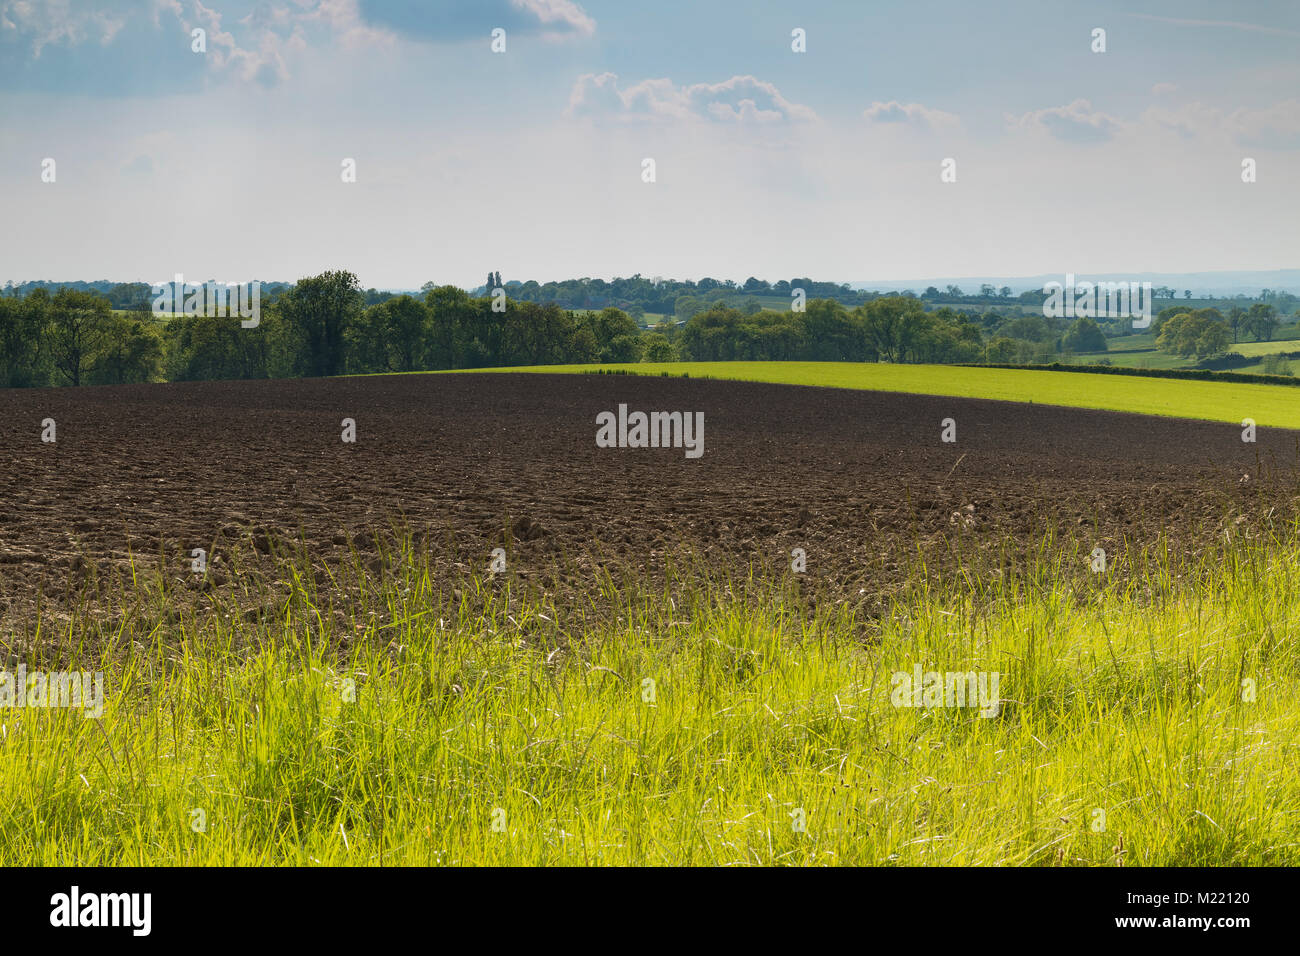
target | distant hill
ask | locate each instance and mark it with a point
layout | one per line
(660, 296)
(1201, 284)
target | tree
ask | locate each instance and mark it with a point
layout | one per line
(321, 309)
(1028, 328)
(1000, 351)
(1262, 321)
(891, 325)
(831, 333)
(390, 337)
(1084, 336)
(197, 348)
(656, 348)
(1004, 292)
(616, 334)
(687, 306)
(79, 323)
(1236, 321)
(366, 339)
(406, 325)
(22, 335)
(582, 344)
(452, 320)
(1163, 316)
(1177, 335)
(537, 334)
(1213, 339)
(131, 352)
(1188, 334)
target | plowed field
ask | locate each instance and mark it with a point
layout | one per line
(469, 462)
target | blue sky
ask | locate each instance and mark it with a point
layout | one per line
(226, 163)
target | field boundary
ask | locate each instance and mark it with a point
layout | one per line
(1197, 374)
(1200, 396)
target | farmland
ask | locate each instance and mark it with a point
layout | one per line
(647, 678)
(1267, 348)
(459, 464)
(1269, 405)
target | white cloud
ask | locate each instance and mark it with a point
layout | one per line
(452, 21)
(264, 65)
(39, 24)
(1273, 127)
(740, 99)
(909, 114)
(1188, 121)
(1077, 122)
(49, 22)
(558, 17)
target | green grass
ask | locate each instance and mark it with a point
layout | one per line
(1269, 405)
(1130, 343)
(1267, 348)
(1167, 700)
(1136, 359)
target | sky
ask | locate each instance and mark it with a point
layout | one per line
(229, 163)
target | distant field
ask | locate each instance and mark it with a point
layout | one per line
(1267, 348)
(1268, 405)
(1131, 343)
(1135, 358)
(1163, 360)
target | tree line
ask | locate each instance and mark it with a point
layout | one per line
(639, 296)
(319, 326)
(1203, 333)
(328, 325)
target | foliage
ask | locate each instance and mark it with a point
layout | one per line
(326, 325)
(1084, 336)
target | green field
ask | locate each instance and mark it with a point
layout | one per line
(1268, 405)
(1129, 343)
(1267, 348)
(1134, 358)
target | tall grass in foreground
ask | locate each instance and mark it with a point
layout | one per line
(427, 730)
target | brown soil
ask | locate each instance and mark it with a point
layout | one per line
(470, 462)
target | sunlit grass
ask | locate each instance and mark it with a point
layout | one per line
(1268, 405)
(1266, 348)
(686, 732)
